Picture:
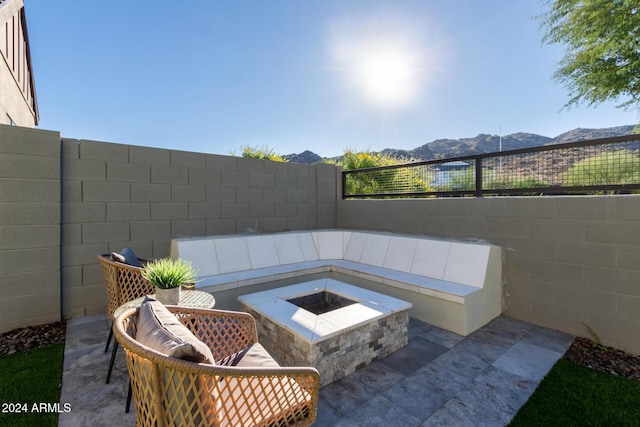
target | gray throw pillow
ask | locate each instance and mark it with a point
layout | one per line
(160, 330)
(130, 257)
(252, 357)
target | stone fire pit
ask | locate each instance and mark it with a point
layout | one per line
(330, 325)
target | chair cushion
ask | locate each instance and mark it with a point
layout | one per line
(252, 357)
(265, 401)
(254, 401)
(126, 256)
(160, 330)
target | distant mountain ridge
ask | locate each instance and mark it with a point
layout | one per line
(306, 156)
(483, 143)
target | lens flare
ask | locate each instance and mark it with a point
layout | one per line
(387, 76)
(383, 58)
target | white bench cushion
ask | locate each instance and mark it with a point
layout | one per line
(262, 251)
(467, 264)
(430, 258)
(412, 263)
(400, 253)
(232, 254)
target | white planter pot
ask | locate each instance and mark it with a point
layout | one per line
(168, 296)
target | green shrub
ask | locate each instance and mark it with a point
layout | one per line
(380, 181)
(608, 168)
(466, 180)
(458, 180)
(168, 273)
(264, 153)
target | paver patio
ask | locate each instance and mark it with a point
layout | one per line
(438, 379)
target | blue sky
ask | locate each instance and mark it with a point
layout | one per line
(212, 76)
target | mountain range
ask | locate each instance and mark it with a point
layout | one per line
(483, 143)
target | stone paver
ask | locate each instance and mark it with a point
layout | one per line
(439, 379)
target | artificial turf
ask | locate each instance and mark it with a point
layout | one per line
(573, 395)
(570, 395)
(30, 387)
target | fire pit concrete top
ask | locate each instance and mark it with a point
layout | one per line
(369, 306)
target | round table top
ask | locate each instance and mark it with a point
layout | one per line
(188, 298)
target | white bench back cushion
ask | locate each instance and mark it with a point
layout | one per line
(232, 254)
(355, 246)
(458, 262)
(262, 251)
(430, 258)
(467, 264)
(308, 246)
(375, 250)
(400, 253)
(288, 248)
(330, 244)
(201, 252)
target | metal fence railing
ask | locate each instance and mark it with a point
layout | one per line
(610, 165)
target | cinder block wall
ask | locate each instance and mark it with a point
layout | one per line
(568, 261)
(64, 201)
(29, 227)
(115, 195)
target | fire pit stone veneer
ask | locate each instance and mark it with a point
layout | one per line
(337, 342)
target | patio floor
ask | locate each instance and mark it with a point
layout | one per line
(439, 379)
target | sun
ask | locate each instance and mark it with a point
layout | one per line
(387, 76)
(385, 59)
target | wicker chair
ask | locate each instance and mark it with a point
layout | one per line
(170, 391)
(124, 283)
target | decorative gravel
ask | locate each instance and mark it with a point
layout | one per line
(32, 337)
(605, 359)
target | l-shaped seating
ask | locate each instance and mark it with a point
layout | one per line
(455, 285)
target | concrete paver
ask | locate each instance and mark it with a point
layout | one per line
(439, 379)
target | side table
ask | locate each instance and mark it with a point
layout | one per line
(188, 298)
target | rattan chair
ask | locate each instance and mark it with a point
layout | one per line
(170, 391)
(124, 283)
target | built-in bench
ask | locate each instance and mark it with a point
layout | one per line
(455, 285)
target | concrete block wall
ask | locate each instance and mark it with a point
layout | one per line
(569, 261)
(63, 201)
(29, 227)
(116, 195)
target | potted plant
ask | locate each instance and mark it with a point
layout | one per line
(169, 275)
